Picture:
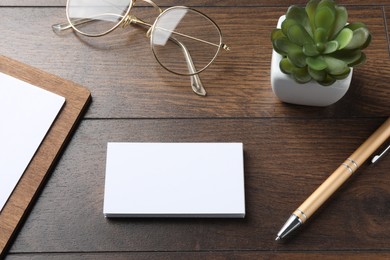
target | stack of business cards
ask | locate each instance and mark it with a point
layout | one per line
(174, 180)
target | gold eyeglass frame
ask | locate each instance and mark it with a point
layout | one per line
(128, 19)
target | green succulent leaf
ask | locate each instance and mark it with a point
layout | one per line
(316, 63)
(324, 18)
(299, 15)
(276, 34)
(297, 57)
(331, 47)
(298, 35)
(349, 57)
(359, 62)
(365, 45)
(310, 9)
(310, 49)
(342, 75)
(340, 21)
(344, 37)
(286, 66)
(355, 25)
(329, 3)
(329, 80)
(283, 45)
(294, 52)
(359, 39)
(301, 75)
(318, 75)
(296, 13)
(286, 24)
(320, 35)
(335, 66)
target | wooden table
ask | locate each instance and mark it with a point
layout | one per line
(289, 149)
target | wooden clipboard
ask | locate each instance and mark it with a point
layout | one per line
(27, 189)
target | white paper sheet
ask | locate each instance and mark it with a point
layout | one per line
(174, 180)
(26, 114)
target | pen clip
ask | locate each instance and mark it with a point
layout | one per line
(377, 157)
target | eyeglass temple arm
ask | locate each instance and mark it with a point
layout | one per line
(196, 83)
(66, 25)
(58, 27)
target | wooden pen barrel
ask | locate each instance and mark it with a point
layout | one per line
(343, 172)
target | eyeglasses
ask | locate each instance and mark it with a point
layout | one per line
(183, 40)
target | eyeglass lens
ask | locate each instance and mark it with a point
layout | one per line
(180, 28)
(96, 17)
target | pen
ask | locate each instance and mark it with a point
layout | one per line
(334, 181)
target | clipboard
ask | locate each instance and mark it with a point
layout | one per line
(26, 191)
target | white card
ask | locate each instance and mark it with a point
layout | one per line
(26, 114)
(174, 180)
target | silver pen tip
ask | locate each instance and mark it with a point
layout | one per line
(277, 238)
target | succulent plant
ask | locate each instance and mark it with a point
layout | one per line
(318, 43)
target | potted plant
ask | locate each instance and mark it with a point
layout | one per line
(314, 52)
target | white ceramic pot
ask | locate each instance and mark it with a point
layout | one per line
(311, 93)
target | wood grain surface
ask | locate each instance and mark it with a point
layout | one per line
(289, 149)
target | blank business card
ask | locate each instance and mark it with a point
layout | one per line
(174, 180)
